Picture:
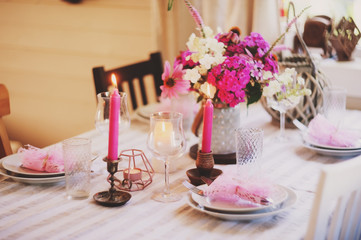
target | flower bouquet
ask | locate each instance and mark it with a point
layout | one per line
(221, 66)
(225, 67)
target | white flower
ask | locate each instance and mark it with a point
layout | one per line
(301, 81)
(207, 61)
(267, 75)
(272, 88)
(190, 44)
(307, 91)
(215, 46)
(202, 70)
(192, 75)
(294, 99)
(285, 78)
(290, 71)
(208, 89)
(218, 59)
(208, 31)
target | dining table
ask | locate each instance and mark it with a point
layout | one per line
(43, 211)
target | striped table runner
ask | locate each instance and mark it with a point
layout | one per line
(43, 212)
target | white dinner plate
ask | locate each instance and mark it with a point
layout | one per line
(31, 180)
(333, 152)
(278, 196)
(289, 202)
(311, 142)
(13, 164)
(146, 110)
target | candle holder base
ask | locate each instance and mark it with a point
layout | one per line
(195, 177)
(112, 197)
(118, 198)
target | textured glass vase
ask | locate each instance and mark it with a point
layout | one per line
(225, 121)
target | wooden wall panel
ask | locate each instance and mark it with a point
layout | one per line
(47, 51)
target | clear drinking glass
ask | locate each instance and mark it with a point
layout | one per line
(166, 140)
(334, 104)
(249, 148)
(282, 106)
(102, 112)
(77, 163)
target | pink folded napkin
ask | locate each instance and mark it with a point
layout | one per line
(324, 132)
(42, 160)
(229, 188)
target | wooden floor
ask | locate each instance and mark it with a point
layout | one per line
(47, 51)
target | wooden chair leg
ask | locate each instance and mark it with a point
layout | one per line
(5, 148)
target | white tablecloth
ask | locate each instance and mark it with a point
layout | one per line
(43, 212)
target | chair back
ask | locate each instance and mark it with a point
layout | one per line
(336, 212)
(5, 147)
(131, 74)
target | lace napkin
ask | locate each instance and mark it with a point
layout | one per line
(42, 160)
(324, 132)
(229, 188)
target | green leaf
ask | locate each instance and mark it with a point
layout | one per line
(200, 98)
(170, 4)
(254, 93)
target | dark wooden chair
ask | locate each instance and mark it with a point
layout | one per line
(130, 74)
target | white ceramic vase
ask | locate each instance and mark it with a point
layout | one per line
(225, 121)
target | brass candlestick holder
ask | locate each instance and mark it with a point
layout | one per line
(205, 168)
(112, 197)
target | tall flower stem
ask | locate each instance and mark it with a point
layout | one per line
(196, 16)
(289, 25)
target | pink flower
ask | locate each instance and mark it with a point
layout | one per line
(231, 78)
(174, 84)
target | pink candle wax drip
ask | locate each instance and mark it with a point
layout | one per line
(113, 124)
(207, 126)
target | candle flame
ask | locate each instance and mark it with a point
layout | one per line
(114, 80)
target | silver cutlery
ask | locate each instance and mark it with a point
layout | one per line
(299, 125)
(193, 188)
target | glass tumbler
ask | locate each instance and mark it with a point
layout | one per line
(334, 104)
(249, 147)
(77, 164)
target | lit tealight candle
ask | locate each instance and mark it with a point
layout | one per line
(133, 174)
(164, 136)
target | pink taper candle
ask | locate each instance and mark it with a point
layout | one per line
(114, 122)
(207, 126)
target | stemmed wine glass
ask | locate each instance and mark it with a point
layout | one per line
(284, 93)
(166, 140)
(282, 106)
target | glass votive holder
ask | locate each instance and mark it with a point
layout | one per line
(334, 104)
(249, 148)
(77, 166)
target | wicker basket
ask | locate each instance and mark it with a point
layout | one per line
(309, 106)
